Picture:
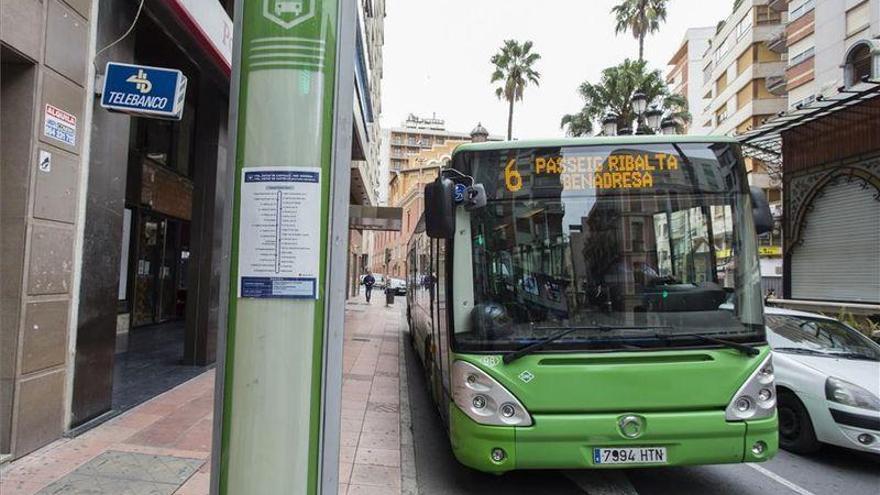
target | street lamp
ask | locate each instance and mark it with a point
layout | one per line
(653, 116)
(647, 121)
(669, 126)
(639, 102)
(609, 125)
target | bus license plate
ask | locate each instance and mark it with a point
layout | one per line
(630, 455)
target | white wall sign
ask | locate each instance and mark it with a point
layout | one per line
(60, 125)
(45, 161)
(279, 232)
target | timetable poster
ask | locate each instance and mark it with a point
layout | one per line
(279, 232)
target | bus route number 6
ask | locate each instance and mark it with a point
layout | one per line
(512, 177)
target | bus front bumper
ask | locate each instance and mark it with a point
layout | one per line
(566, 441)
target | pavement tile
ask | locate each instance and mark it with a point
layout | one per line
(21, 487)
(347, 454)
(140, 467)
(198, 437)
(345, 471)
(379, 440)
(197, 484)
(367, 474)
(87, 485)
(354, 489)
(136, 419)
(378, 457)
(349, 438)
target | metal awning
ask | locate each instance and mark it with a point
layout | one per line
(375, 218)
(765, 142)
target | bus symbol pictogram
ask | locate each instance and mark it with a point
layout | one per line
(288, 6)
(288, 13)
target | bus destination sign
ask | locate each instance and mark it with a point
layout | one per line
(579, 172)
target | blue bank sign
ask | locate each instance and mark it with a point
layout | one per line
(144, 91)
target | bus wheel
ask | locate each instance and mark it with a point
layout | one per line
(796, 432)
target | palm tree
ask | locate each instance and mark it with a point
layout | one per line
(577, 124)
(613, 95)
(642, 17)
(514, 66)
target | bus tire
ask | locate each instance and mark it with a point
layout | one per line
(796, 433)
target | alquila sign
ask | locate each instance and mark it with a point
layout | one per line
(144, 91)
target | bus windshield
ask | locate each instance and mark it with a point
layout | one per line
(640, 246)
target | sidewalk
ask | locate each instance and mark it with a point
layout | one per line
(163, 446)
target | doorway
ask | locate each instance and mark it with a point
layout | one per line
(162, 257)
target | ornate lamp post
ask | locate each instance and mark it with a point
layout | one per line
(648, 120)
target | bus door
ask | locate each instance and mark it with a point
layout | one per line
(440, 321)
(431, 283)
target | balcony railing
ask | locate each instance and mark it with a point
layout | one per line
(776, 85)
(778, 5)
(778, 41)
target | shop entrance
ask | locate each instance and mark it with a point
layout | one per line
(153, 324)
(161, 270)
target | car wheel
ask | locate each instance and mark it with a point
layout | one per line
(796, 432)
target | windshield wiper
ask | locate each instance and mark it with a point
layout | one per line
(514, 355)
(852, 355)
(801, 350)
(745, 349)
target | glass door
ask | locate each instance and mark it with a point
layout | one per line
(151, 239)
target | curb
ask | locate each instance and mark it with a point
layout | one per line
(408, 480)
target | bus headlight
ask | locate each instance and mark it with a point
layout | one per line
(756, 398)
(485, 400)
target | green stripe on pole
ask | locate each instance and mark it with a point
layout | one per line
(274, 347)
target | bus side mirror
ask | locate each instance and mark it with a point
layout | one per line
(440, 209)
(475, 197)
(761, 210)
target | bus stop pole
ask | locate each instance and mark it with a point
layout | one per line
(279, 374)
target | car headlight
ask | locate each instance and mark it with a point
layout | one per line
(757, 397)
(850, 394)
(485, 400)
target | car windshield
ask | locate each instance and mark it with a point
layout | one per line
(795, 334)
(639, 245)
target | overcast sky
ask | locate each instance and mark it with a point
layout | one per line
(437, 56)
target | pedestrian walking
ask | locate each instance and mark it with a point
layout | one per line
(369, 282)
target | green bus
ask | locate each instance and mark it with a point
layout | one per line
(594, 303)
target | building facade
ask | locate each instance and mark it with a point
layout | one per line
(739, 70)
(45, 51)
(743, 83)
(685, 75)
(821, 37)
(116, 228)
(412, 136)
(828, 145)
(366, 166)
(407, 181)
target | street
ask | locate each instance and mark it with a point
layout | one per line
(832, 471)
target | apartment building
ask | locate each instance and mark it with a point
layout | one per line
(685, 75)
(741, 73)
(743, 82)
(821, 37)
